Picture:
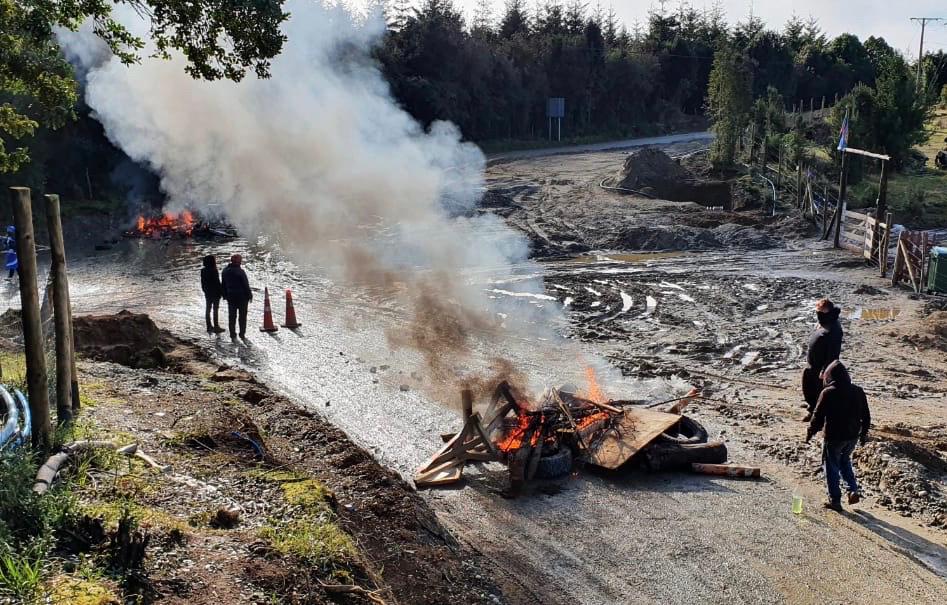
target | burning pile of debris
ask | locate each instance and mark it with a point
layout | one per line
(184, 225)
(543, 439)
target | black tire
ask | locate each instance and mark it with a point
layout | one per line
(686, 432)
(675, 456)
(556, 465)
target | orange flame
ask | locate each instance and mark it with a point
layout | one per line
(593, 390)
(517, 436)
(591, 419)
(169, 223)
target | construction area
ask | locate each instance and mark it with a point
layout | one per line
(678, 474)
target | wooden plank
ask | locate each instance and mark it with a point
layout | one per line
(637, 428)
(867, 154)
(726, 470)
(858, 216)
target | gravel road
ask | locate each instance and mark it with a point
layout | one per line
(594, 538)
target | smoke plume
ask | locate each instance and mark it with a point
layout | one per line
(321, 159)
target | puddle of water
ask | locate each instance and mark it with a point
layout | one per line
(875, 314)
(632, 258)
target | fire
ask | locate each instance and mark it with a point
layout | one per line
(593, 390)
(514, 441)
(591, 419)
(167, 224)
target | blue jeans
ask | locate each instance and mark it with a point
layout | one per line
(836, 460)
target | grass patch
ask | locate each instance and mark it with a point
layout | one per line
(313, 534)
(13, 370)
(75, 590)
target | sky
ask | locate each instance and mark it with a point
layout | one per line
(864, 18)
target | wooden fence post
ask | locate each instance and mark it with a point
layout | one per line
(32, 322)
(799, 192)
(885, 245)
(840, 210)
(61, 313)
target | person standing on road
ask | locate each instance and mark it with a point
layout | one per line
(210, 285)
(842, 411)
(236, 289)
(11, 262)
(825, 346)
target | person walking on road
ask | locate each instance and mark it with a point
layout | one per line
(825, 346)
(236, 289)
(210, 285)
(842, 412)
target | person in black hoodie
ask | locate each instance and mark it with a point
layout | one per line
(842, 412)
(825, 346)
(210, 285)
(238, 294)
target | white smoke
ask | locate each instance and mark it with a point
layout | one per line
(320, 159)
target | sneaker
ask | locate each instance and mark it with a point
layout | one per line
(836, 506)
(219, 330)
(854, 497)
(807, 417)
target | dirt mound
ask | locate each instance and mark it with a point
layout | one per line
(908, 477)
(937, 323)
(654, 172)
(129, 339)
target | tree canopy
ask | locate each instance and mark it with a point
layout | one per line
(219, 39)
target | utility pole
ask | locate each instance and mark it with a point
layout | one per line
(920, 55)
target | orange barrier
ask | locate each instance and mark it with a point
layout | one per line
(268, 325)
(290, 312)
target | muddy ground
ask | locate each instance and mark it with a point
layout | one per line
(207, 515)
(726, 306)
(736, 322)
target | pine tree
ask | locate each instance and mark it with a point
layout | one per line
(483, 18)
(729, 99)
(515, 19)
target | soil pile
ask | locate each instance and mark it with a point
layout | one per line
(129, 339)
(655, 173)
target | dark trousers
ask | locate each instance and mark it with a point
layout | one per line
(837, 460)
(811, 387)
(233, 308)
(211, 312)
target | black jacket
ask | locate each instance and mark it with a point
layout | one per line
(842, 409)
(235, 284)
(210, 283)
(825, 342)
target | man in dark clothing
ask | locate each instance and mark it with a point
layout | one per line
(842, 411)
(236, 289)
(825, 346)
(210, 285)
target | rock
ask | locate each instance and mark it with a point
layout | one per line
(228, 374)
(253, 396)
(404, 388)
(225, 518)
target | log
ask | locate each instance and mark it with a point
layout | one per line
(36, 377)
(726, 470)
(62, 314)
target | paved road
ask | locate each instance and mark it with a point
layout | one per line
(607, 146)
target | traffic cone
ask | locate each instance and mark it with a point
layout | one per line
(290, 312)
(268, 325)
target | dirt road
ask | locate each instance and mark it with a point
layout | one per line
(730, 318)
(671, 139)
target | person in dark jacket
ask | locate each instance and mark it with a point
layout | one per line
(236, 289)
(210, 285)
(842, 413)
(825, 346)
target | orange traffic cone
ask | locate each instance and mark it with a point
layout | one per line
(290, 312)
(268, 325)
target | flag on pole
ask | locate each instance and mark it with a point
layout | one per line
(843, 135)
